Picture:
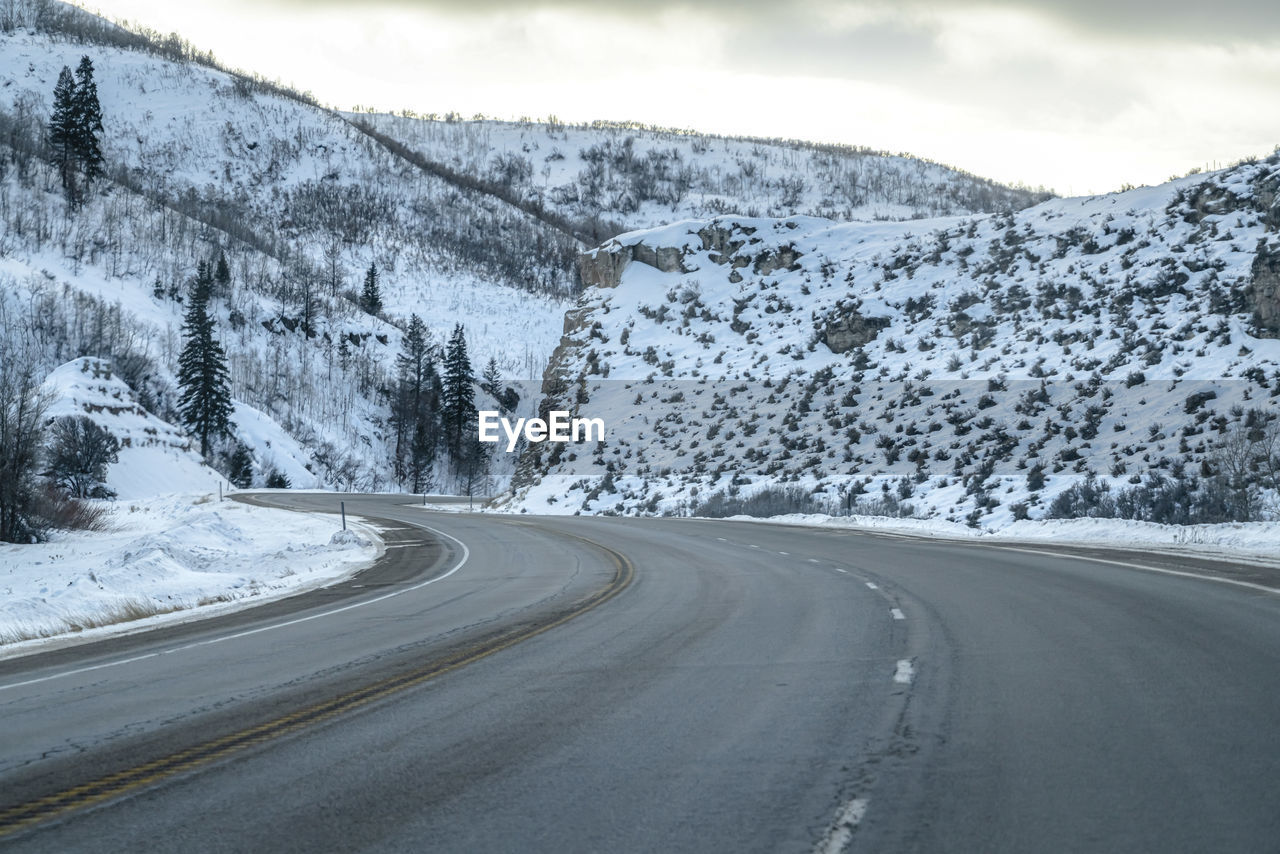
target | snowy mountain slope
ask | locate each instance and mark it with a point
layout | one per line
(155, 457)
(972, 368)
(637, 177)
(301, 203)
(300, 185)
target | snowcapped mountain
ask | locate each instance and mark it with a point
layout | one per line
(619, 177)
(967, 368)
(302, 200)
(201, 162)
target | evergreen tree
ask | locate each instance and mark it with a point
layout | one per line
(414, 403)
(277, 479)
(240, 466)
(459, 395)
(205, 403)
(63, 127)
(422, 456)
(75, 126)
(202, 286)
(371, 296)
(222, 277)
(492, 380)
(88, 120)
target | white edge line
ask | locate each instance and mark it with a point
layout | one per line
(1220, 580)
(841, 832)
(466, 554)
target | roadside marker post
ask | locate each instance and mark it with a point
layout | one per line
(343, 505)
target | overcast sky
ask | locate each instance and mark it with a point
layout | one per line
(1077, 95)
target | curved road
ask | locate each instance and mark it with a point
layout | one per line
(503, 683)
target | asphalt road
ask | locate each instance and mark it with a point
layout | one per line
(509, 683)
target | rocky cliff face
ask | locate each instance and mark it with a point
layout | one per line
(974, 368)
(1264, 290)
(845, 329)
(724, 242)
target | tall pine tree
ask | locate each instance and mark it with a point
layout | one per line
(459, 394)
(205, 403)
(371, 295)
(491, 382)
(222, 277)
(88, 120)
(75, 127)
(63, 128)
(414, 406)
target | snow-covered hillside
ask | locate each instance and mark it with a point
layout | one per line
(154, 458)
(301, 201)
(967, 368)
(631, 177)
(200, 163)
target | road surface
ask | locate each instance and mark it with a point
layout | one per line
(506, 683)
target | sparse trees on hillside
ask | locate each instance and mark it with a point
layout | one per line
(202, 368)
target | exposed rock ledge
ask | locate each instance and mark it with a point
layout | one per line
(603, 267)
(1264, 292)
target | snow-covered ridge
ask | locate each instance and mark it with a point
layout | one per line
(636, 177)
(971, 367)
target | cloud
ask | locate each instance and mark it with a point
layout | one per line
(1219, 22)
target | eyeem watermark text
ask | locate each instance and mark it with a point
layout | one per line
(558, 427)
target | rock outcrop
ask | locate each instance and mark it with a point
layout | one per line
(602, 267)
(1264, 291)
(846, 330)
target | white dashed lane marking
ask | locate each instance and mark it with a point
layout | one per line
(841, 832)
(872, 585)
(897, 614)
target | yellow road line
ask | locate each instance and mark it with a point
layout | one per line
(121, 783)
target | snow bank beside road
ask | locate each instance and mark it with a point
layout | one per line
(163, 558)
(1252, 542)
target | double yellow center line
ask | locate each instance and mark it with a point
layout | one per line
(121, 783)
